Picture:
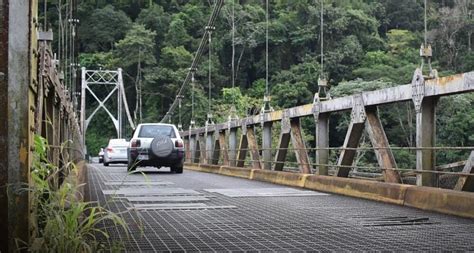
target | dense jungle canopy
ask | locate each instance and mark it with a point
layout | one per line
(368, 44)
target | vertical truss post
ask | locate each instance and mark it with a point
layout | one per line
(5, 232)
(203, 149)
(299, 146)
(223, 148)
(197, 150)
(466, 183)
(322, 143)
(233, 146)
(17, 72)
(381, 146)
(209, 146)
(267, 145)
(283, 142)
(187, 152)
(83, 105)
(217, 151)
(354, 132)
(322, 132)
(425, 138)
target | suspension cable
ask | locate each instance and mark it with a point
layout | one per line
(209, 30)
(197, 57)
(233, 45)
(266, 97)
(322, 37)
(266, 49)
(192, 123)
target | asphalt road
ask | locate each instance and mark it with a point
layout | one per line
(197, 211)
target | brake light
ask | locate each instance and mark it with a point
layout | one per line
(110, 149)
(178, 144)
(135, 143)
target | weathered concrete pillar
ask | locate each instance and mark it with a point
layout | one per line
(425, 138)
(267, 145)
(322, 143)
(233, 146)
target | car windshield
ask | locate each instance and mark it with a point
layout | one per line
(151, 131)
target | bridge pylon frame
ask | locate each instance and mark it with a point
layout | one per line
(104, 77)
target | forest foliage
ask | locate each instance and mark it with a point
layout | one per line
(368, 44)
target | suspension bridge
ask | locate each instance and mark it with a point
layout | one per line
(240, 191)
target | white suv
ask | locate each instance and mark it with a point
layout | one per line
(156, 144)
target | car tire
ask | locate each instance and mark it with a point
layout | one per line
(106, 164)
(132, 166)
(177, 170)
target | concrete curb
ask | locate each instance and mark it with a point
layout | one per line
(425, 198)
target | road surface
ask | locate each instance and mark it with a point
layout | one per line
(197, 211)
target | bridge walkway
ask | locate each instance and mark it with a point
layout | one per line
(197, 211)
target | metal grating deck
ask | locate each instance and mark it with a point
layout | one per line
(319, 222)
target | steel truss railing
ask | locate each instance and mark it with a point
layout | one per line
(219, 143)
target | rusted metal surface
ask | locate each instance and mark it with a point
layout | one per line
(4, 225)
(300, 147)
(322, 143)
(282, 150)
(444, 86)
(354, 132)
(466, 183)
(380, 143)
(253, 146)
(267, 145)
(202, 149)
(233, 146)
(242, 153)
(187, 150)
(209, 147)
(18, 113)
(197, 151)
(425, 137)
(223, 148)
(216, 153)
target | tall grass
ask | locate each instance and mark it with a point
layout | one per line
(60, 222)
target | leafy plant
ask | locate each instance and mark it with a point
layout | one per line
(60, 222)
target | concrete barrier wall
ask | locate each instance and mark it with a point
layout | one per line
(426, 198)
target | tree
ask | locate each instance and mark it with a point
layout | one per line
(103, 28)
(136, 51)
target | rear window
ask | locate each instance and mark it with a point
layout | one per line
(152, 131)
(118, 143)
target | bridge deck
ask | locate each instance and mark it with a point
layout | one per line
(207, 212)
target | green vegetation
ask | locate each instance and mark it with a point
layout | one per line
(368, 44)
(60, 221)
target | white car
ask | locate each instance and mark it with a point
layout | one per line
(116, 152)
(156, 144)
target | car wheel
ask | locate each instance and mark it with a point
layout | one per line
(106, 164)
(131, 166)
(177, 170)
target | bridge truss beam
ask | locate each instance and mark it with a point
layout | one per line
(364, 115)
